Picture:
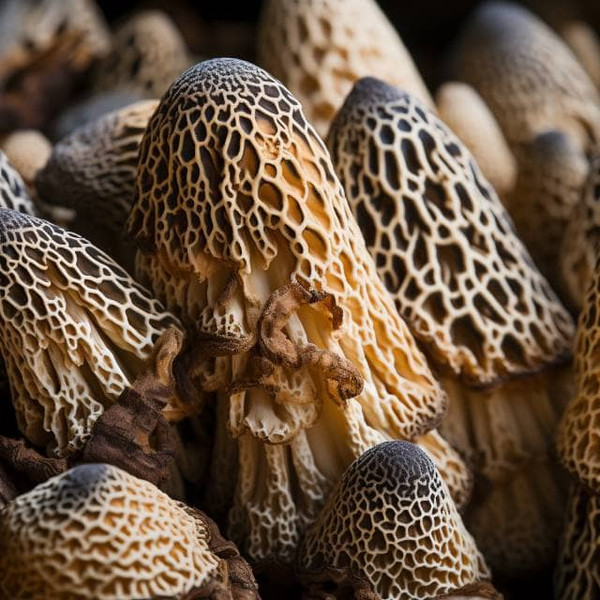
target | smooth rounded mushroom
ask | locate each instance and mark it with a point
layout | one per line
(391, 526)
(13, 191)
(447, 251)
(527, 75)
(75, 329)
(465, 112)
(97, 532)
(245, 233)
(318, 48)
(585, 44)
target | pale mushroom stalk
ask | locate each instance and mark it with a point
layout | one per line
(245, 233)
(463, 281)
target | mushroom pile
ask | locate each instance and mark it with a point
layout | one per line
(300, 299)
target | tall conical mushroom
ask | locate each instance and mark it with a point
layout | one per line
(319, 48)
(391, 527)
(527, 75)
(97, 532)
(246, 234)
(75, 329)
(448, 253)
(13, 192)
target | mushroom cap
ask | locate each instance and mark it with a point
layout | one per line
(443, 243)
(28, 151)
(148, 53)
(75, 329)
(318, 48)
(390, 520)
(585, 44)
(526, 74)
(98, 532)
(463, 110)
(13, 192)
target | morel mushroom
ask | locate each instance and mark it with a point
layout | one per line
(246, 234)
(527, 75)
(98, 532)
(391, 526)
(13, 192)
(75, 329)
(319, 48)
(585, 44)
(460, 277)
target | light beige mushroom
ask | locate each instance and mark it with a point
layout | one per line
(13, 192)
(585, 44)
(319, 48)
(391, 527)
(465, 112)
(245, 233)
(97, 532)
(461, 278)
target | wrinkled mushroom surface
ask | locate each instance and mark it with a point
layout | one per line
(13, 192)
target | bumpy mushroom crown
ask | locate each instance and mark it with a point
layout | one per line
(391, 521)
(75, 329)
(527, 75)
(13, 193)
(318, 48)
(97, 532)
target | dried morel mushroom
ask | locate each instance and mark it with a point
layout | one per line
(465, 112)
(460, 277)
(319, 48)
(246, 234)
(148, 54)
(552, 173)
(390, 524)
(98, 532)
(13, 192)
(75, 329)
(527, 75)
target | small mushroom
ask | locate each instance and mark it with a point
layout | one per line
(98, 532)
(585, 44)
(244, 231)
(319, 48)
(13, 191)
(75, 329)
(465, 112)
(391, 526)
(527, 75)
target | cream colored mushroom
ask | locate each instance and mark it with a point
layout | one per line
(13, 192)
(97, 532)
(465, 112)
(527, 75)
(460, 277)
(75, 330)
(319, 48)
(245, 233)
(585, 44)
(391, 526)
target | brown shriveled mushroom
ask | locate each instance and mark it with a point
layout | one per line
(246, 234)
(319, 48)
(75, 330)
(465, 112)
(390, 528)
(97, 532)
(13, 192)
(527, 75)
(463, 281)
(585, 44)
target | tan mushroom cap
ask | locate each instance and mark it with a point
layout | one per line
(248, 237)
(527, 75)
(578, 254)
(13, 191)
(75, 329)
(319, 48)
(98, 532)
(391, 521)
(148, 54)
(585, 44)
(467, 115)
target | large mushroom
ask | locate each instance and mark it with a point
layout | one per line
(319, 48)
(97, 532)
(463, 281)
(245, 233)
(13, 191)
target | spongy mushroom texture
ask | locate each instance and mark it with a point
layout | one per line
(578, 250)
(552, 174)
(148, 54)
(248, 237)
(13, 192)
(466, 114)
(75, 329)
(390, 520)
(585, 44)
(319, 48)
(98, 532)
(527, 75)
